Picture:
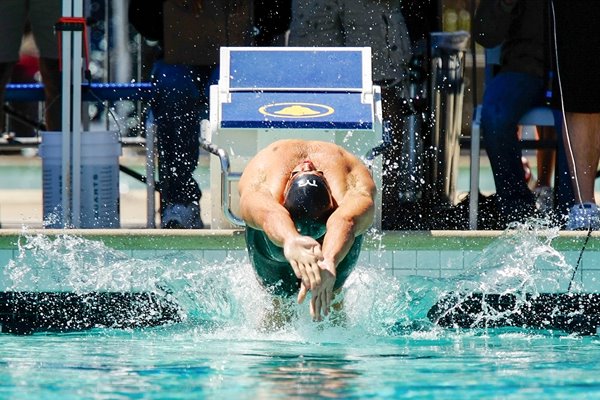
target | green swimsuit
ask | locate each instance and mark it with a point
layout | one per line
(276, 273)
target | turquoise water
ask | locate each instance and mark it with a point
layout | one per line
(385, 348)
(185, 362)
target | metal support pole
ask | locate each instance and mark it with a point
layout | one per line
(67, 10)
(474, 169)
(475, 136)
(150, 167)
(71, 116)
(76, 116)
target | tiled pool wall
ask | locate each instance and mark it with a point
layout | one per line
(434, 254)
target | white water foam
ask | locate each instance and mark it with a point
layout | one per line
(224, 299)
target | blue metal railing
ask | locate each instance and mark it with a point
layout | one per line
(24, 92)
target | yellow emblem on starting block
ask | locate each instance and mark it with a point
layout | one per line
(296, 110)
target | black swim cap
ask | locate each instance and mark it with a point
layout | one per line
(308, 200)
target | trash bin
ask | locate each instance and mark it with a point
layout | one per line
(447, 68)
(99, 194)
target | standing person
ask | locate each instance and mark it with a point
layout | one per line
(42, 15)
(381, 26)
(578, 65)
(518, 26)
(26, 70)
(190, 34)
(180, 98)
(306, 205)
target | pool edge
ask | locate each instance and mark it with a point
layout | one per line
(232, 239)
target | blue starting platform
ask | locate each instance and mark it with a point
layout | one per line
(297, 111)
(272, 93)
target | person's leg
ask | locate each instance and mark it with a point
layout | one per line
(583, 138)
(507, 97)
(177, 105)
(545, 157)
(564, 197)
(6, 69)
(582, 142)
(12, 25)
(43, 14)
(52, 79)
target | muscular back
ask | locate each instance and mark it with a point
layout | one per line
(271, 167)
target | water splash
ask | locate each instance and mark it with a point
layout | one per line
(225, 298)
(519, 280)
(521, 260)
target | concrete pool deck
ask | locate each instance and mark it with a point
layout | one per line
(21, 202)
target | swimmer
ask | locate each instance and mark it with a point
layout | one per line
(306, 205)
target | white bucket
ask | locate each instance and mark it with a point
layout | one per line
(100, 151)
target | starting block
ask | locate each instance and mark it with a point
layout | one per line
(273, 93)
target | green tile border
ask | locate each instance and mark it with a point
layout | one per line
(140, 239)
(157, 239)
(472, 240)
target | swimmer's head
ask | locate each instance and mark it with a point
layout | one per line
(308, 199)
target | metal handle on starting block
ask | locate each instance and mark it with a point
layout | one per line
(226, 178)
(381, 147)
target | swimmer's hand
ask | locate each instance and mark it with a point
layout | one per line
(322, 296)
(304, 253)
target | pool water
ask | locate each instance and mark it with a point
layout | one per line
(186, 362)
(385, 346)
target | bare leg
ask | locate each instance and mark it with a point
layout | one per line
(584, 135)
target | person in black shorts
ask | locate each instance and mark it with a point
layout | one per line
(306, 205)
(577, 35)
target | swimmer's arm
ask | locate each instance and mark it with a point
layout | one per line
(260, 210)
(352, 218)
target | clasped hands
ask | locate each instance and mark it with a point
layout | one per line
(317, 274)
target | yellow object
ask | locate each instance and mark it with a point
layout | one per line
(450, 20)
(464, 20)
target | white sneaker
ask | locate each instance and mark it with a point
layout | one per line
(181, 216)
(583, 217)
(544, 199)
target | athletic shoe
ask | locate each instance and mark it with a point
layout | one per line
(181, 216)
(583, 217)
